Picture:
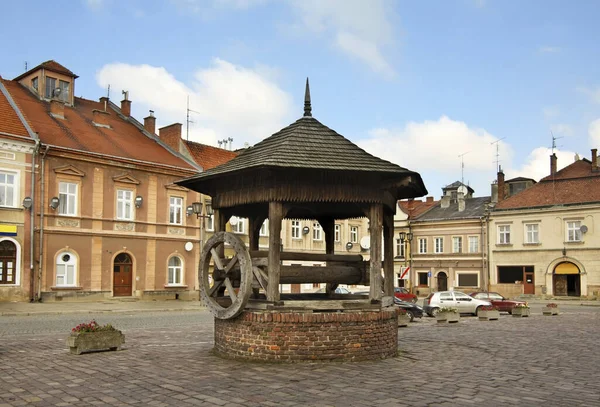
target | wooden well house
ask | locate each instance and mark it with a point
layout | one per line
(304, 171)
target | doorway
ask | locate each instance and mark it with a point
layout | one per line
(122, 279)
(442, 281)
(529, 283)
(566, 280)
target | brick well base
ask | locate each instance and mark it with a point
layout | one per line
(307, 336)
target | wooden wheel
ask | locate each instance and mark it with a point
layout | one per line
(227, 288)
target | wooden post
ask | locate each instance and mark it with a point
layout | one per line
(328, 226)
(375, 225)
(388, 253)
(275, 218)
(254, 225)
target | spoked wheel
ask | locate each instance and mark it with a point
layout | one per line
(227, 288)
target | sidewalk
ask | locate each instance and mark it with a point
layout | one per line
(115, 306)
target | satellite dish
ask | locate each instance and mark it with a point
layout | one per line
(233, 220)
(462, 189)
(188, 246)
(583, 229)
(365, 242)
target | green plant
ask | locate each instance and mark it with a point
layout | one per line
(522, 306)
(92, 326)
(448, 309)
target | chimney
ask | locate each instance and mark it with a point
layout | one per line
(126, 105)
(101, 118)
(594, 159)
(553, 164)
(171, 135)
(494, 192)
(500, 184)
(460, 198)
(104, 102)
(445, 202)
(57, 108)
(150, 123)
(429, 199)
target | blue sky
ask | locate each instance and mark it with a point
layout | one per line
(418, 83)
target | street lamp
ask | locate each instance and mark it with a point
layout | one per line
(407, 237)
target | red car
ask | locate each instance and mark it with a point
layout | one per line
(403, 294)
(497, 300)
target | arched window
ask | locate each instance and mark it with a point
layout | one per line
(8, 262)
(175, 271)
(66, 270)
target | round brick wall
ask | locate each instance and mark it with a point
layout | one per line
(308, 336)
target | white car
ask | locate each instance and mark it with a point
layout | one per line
(454, 299)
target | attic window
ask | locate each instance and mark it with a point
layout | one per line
(64, 91)
(50, 86)
(34, 83)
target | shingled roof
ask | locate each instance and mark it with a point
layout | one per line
(49, 65)
(474, 208)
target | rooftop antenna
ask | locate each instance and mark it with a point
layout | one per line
(554, 141)
(497, 142)
(188, 121)
(462, 166)
(230, 143)
(25, 66)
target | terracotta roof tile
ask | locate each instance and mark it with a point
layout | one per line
(574, 184)
(415, 207)
(77, 131)
(207, 156)
(10, 122)
(50, 65)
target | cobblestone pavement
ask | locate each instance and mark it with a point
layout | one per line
(167, 360)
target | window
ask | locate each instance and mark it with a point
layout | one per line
(439, 245)
(175, 271)
(317, 231)
(422, 245)
(337, 233)
(8, 262)
(124, 204)
(66, 270)
(296, 229)
(239, 227)
(50, 86)
(264, 229)
(8, 189)
(468, 280)
(353, 234)
(34, 83)
(457, 244)
(210, 221)
(64, 91)
(504, 234)
(175, 210)
(473, 244)
(574, 231)
(423, 280)
(532, 233)
(400, 248)
(67, 195)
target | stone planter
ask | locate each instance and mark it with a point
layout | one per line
(403, 320)
(521, 312)
(492, 315)
(95, 341)
(550, 310)
(447, 317)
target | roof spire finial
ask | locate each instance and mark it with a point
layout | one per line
(307, 105)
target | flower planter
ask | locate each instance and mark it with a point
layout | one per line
(403, 320)
(521, 312)
(95, 341)
(491, 315)
(550, 310)
(447, 317)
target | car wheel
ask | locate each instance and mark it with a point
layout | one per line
(477, 311)
(434, 312)
(410, 315)
(510, 312)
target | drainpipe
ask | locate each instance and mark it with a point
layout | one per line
(36, 151)
(40, 263)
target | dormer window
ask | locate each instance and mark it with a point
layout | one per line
(34, 83)
(64, 91)
(50, 86)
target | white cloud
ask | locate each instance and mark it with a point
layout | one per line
(592, 93)
(231, 101)
(594, 133)
(537, 164)
(549, 50)
(360, 29)
(433, 148)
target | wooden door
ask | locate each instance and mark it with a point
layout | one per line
(122, 276)
(528, 284)
(442, 280)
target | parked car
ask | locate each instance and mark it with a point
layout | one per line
(412, 310)
(455, 299)
(404, 295)
(497, 300)
(338, 290)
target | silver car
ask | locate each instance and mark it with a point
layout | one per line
(454, 299)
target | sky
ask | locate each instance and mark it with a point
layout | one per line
(449, 89)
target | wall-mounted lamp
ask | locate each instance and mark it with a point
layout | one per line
(349, 246)
(138, 201)
(27, 202)
(564, 251)
(197, 209)
(405, 236)
(189, 210)
(54, 202)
